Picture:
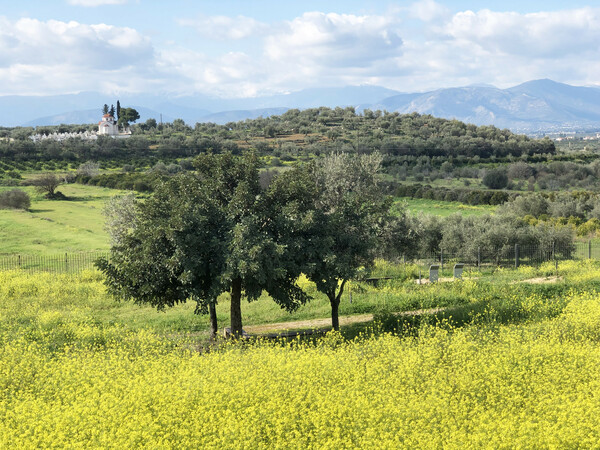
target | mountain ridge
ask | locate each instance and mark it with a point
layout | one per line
(532, 106)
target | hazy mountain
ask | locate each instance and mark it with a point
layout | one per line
(243, 114)
(540, 105)
(22, 110)
(536, 105)
(89, 116)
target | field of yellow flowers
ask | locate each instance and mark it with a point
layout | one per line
(530, 378)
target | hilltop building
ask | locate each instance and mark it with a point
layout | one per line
(107, 126)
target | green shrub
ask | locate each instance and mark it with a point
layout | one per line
(495, 179)
(14, 199)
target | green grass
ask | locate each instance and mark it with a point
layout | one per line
(82, 299)
(53, 227)
(57, 226)
(441, 208)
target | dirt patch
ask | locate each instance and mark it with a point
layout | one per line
(326, 323)
(301, 324)
(444, 280)
(542, 280)
(440, 280)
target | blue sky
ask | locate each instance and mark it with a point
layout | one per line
(233, 48)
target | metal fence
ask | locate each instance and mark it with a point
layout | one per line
(511, 255)
(59, 263)
(504, 256)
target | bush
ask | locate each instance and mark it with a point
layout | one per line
(142, 186)
(14, 199)
(495, 179)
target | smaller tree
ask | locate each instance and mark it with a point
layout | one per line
(121, 218)
(47, 184)
(105, 109)
(88, 168)
(350, 213)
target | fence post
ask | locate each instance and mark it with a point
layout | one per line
(19, 261)
(478, 257)
(516, 256)
(553, 250)
(66, 263)
(442, 259)
(590, 249)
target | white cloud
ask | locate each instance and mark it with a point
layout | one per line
(428, 11)
(69, 55)
(311, 50)
(539, 35)
(438, 49)
(94, 3)
(322, 40)
(233, 74)
(32, 42)
(224, 27)
(319, 49)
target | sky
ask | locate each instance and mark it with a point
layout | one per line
(237, 48)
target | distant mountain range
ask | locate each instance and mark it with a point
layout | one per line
(534, 106)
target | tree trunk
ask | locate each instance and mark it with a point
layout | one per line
(236, 307)
(335, 319)
(335, 306)
(212, 314)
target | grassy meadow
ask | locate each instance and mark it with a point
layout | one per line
(54, 227)
(509, 363)
(444, 209)
(57, 226)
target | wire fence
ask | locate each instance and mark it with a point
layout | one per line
(510, 255)
(59, 263)
(501, 256)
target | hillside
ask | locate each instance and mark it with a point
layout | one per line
(292, 134)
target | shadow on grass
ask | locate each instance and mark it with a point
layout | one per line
(397, 323)
(483, 314)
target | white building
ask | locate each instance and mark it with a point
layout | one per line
(107, 126)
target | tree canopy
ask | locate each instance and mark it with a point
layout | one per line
(127, 116)
(206, 233)
(352, 213)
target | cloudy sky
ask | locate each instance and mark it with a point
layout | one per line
(243, 48)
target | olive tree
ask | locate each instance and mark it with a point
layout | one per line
(350, 214)
(47, 184)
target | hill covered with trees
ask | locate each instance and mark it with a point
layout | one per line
(294, 133)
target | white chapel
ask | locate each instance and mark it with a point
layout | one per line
(107, 126)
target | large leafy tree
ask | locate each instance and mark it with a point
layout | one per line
(127, 116)
(206, 233)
